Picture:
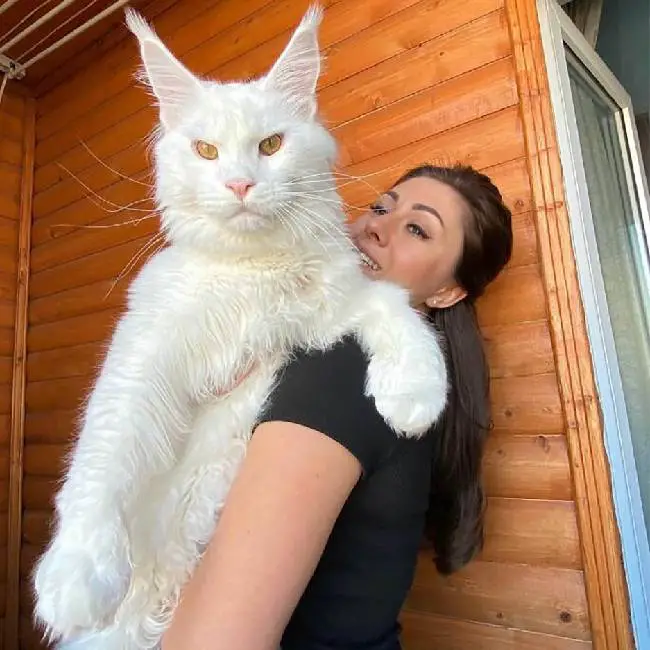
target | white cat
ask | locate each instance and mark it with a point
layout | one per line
(258, 264)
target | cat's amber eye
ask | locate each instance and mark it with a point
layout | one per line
(271, 145)
(205, 149)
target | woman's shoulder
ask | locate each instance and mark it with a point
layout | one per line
(325, 390)
(344, 356)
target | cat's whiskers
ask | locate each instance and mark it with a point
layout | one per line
(294, 215)
(312, 217)
(300, 207)
(335, 173)
(99, 197)
(156, 241)
(112, 169)
(72, 227)
(397, 165)
(315, 187)
(333, 182)
(314, 191)
(343, 180)
(315, 194)
(286, 221)
(120, 208)
(339, 202)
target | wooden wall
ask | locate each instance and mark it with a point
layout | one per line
(404, 82)
(14, 108)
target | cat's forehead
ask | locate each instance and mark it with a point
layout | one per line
(238, 110)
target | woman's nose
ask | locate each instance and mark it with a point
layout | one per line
(377, 228)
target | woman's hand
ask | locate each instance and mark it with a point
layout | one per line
(274, 526)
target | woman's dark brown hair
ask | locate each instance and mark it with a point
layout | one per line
(456, 507)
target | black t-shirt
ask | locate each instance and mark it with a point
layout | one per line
(355, 595)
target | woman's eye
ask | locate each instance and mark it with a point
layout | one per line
(418, 231)
(378, 209)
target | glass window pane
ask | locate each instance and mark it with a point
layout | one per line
(622, 252)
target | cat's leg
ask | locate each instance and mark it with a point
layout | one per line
(135, 416)
(407, 373)
(201, 482)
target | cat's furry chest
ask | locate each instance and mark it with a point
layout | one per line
(178, 282)
(201, 310)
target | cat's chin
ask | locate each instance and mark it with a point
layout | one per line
(246, 221)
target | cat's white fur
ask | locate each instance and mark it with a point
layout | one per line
(240, 285)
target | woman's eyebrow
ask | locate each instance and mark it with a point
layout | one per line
(418, 206)
(430, 210)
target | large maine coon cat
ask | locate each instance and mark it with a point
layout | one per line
(258, 263)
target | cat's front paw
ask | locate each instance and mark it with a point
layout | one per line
(410, 392)
(81, 580)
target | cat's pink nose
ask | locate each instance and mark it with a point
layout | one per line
(240, 187)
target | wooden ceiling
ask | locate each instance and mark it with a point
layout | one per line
(67, 58)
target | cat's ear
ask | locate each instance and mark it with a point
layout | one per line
(295, 73)
(173, 85)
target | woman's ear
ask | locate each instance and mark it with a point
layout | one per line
(446, 297)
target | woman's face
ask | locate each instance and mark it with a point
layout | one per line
(413, 236)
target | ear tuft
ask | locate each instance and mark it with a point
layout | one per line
(295, 73)
(173, 85)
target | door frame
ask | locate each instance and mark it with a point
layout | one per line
(557, 30)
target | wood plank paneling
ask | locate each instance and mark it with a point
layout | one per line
(38, 492)
(10, 151)
(52, 427)
(404, 82)
(79, 301)
(438, 59)
(428, 631)
(463, 99)
(527, 406)
(7, 286)
(5, 423)
(75, 361)
(538, 599)
(520, 349)
(532, 531)
(108, 263)
(14, 110)
(533, 466)
(516, 296)
(483, 143)
(87, 328)
(66, 394)
(8, 232)
(44, 459)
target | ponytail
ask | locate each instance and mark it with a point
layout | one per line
(456, 504)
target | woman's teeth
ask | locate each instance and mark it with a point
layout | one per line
(368, 262)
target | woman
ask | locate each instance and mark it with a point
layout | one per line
(318, 540)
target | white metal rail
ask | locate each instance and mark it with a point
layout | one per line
(16, 68)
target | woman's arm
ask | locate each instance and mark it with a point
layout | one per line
(274, 526)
